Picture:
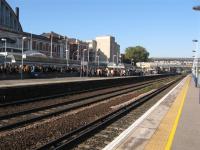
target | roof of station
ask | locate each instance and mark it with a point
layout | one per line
(11, 21)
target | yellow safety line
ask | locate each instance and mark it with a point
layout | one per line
(164, 135)
(173, 131)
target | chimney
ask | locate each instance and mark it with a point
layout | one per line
(17, 12)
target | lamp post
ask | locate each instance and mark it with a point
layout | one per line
(31, 42)
(193, 65)
(88, 61)
(195, 62)
(83, 62)
(77, 49)
(117, 58)
(196, 8)
(22, 63)
(5, 40)
(51, 53)
(98, 61)
(67, 52)
(67, 57)
(114, 59)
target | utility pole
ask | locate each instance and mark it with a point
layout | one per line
(51, 55)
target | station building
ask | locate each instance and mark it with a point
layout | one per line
(52, 48)
(50, 44)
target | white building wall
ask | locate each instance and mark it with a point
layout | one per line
(104, 45)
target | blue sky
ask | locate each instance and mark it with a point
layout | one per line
(164, 27)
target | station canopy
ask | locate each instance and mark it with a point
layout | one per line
(8, 58)
(114, 66)
(34, 53)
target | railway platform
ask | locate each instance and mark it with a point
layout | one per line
(31, 89)
(172, 123)
(29, 82)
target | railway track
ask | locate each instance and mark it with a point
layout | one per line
(74, 137)
(17, 119)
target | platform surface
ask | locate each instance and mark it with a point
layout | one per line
(25, 82)
(172, 123)
(187, 135)
(13, 83)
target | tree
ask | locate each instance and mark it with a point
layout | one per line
(136, 54)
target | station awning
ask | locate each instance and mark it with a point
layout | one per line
(34, 53)
(8, 58)
(114, 66)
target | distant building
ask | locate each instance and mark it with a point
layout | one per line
(107, 48)
(52, 45)
(92, 46)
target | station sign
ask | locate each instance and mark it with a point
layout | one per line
(4, 53)
(24, 56)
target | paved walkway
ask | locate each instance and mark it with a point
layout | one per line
(164, 135)
(7, 83)
(187, 135)
(173, 124)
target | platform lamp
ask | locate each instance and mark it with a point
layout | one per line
(78, 55)
(5, 40)
(195, 61)
(197, 8)
(67, 57)
(193, 67)
(88, 52)
(114, 59)
(67, 51)
(97, 61)
(83, 60)
(22, 63)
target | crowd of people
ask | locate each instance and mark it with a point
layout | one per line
(9, 69)
(28, 70)
(52, 70)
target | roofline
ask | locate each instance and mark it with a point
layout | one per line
(13, 13)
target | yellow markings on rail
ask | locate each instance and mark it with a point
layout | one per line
(164, 135)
